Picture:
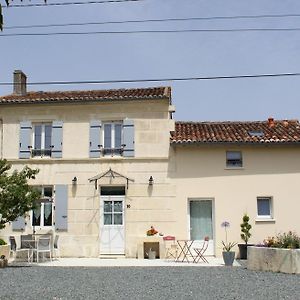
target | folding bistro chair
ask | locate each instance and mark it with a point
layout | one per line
(200, 251)
(171, 248)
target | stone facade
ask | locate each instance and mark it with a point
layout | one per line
(181, 174)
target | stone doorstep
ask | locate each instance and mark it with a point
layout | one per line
(112, 256)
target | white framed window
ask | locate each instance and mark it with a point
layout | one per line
(264, 207)
(113, 212)
(112, 138)
(234, 159)
(41, 139)
(42, 215)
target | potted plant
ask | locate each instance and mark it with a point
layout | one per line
(228, 255)
(245, 236)
(4, 248)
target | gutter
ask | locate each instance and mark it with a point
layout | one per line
(279, 143)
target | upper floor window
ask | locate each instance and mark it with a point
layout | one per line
(264, 207)
(42, 140)
(234, 159)
(42, 215)
(112, 138)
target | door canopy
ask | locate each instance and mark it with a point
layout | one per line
(109, 174)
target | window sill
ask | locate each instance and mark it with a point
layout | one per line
(265, 220)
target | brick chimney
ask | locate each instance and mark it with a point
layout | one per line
(271, 122)
(19, 83)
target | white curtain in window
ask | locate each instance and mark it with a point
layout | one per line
(37, 212)
(47, 210)
(201, 219)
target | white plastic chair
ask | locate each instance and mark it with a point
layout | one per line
(43, 246)
(14, 249)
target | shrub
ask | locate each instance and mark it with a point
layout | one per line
(245, 229)
(289, 240)
(2, 242)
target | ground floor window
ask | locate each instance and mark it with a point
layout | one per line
(264, 207)
(42, 215)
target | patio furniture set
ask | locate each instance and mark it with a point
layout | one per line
(33, 245)
(186, 253)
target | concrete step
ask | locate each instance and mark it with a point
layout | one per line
(112, 256)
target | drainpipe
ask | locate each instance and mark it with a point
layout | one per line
(1, 140)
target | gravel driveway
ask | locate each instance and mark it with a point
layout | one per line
(33, 282)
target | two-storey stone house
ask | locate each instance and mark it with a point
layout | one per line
(113, 163)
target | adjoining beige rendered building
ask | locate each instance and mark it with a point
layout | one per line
(114, 162)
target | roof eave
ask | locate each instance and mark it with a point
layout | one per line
(178, 143)
(80, 101)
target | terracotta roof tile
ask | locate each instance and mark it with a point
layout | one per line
(260, 132)
(153, 93)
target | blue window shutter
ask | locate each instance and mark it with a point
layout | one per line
(25, 139)
(18, 224)
(61, 207)
(57, 134)
(95, 138)
(128, 138)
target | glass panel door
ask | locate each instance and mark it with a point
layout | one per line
(112, 234)
(201, 223)
(201, 219)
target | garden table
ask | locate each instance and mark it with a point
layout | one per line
(185, 250)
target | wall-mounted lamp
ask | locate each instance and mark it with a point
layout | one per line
(151, 180)
(74, 180)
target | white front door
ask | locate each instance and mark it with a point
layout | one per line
(201, 223)
(112, 234)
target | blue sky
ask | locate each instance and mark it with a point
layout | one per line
(166, 55)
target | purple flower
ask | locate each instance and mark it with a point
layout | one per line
(225, 224)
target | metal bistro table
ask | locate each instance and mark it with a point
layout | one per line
(185, 250)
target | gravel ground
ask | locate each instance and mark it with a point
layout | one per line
(33, 282)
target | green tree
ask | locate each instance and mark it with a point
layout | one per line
(16, 196)
(1, 15)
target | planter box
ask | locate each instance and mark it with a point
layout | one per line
(274, 259)
(4, 250)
